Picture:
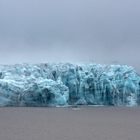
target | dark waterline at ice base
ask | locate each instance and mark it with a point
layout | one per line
(67, 84)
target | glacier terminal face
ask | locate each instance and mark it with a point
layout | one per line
(65, 84)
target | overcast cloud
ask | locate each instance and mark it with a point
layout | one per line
(101, 31)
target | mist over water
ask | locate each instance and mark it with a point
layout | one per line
(33, 31)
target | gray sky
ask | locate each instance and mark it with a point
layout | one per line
(101, 31)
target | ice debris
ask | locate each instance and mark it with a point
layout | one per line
(68, 84)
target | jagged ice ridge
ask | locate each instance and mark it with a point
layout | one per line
(68, 84)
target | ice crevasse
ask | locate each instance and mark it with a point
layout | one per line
(64, 84)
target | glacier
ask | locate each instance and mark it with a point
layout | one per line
(64, 84)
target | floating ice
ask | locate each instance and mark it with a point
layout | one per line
(68, 84)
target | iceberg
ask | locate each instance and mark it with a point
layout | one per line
(64, 84)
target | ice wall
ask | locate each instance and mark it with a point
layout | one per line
(68, 84)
